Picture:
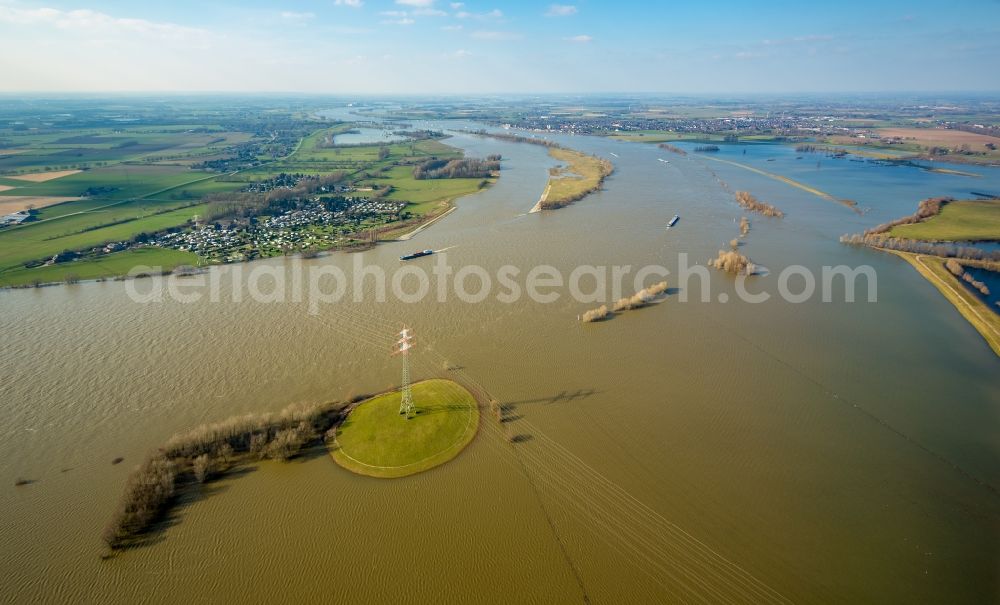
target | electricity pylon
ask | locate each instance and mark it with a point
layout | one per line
(402, 348)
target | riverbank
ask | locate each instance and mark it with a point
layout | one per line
(927, 239)
(974, 310)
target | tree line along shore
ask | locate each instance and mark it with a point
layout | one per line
(209, 452)
(920, 240)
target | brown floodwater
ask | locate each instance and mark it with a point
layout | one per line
(686, 452)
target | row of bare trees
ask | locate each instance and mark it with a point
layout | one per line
(638, 300)
(958, 270)
(516, 138)
(945, 250)
(925, 209)
(463, 168)
(751, 203)
(209, 450)
(672, 148)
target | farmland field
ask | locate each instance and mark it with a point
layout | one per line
(111, 265)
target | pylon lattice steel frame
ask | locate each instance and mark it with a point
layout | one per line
(403, 347)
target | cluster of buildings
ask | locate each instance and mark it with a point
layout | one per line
(281, 181)
(14, 218)
(788, 125)
(312, 226)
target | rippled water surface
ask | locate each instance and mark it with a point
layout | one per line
(712, 452)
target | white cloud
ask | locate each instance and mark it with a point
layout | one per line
(490, 35)
(419, 3)
(561, 10)
(582, 38)
(351, 3)
(297, 17)
(393, 13)
(96, 23)
(461, 54)
(451, 28)
(429, 12)
(456, 5)
(496, 13)
(402, 21)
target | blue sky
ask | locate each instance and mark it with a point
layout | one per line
(480, 46)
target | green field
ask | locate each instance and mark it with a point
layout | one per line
(123, 181)
(93, 148)
(424, 194)
(41, 240)
(972, 220)
(377, 441)
(139, 181)
(111, 265)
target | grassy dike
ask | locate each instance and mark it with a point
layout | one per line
(974, 310)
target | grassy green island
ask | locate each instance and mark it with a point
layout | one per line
(377, 441)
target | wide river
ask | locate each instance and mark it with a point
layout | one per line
(691, 451)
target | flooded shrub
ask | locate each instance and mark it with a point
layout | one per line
(224, 455)
(978, 285)
(201, 467)
(595, 314)
(733, 262)
(258, 444)
(639, 299)
(672, 148)
(213, 448)
(744, 225)
(751, 203)
(147, 491)
(330, 436)
(288, 442)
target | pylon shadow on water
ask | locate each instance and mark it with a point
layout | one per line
(562, 397)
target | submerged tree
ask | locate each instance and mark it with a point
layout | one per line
(733, 262)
